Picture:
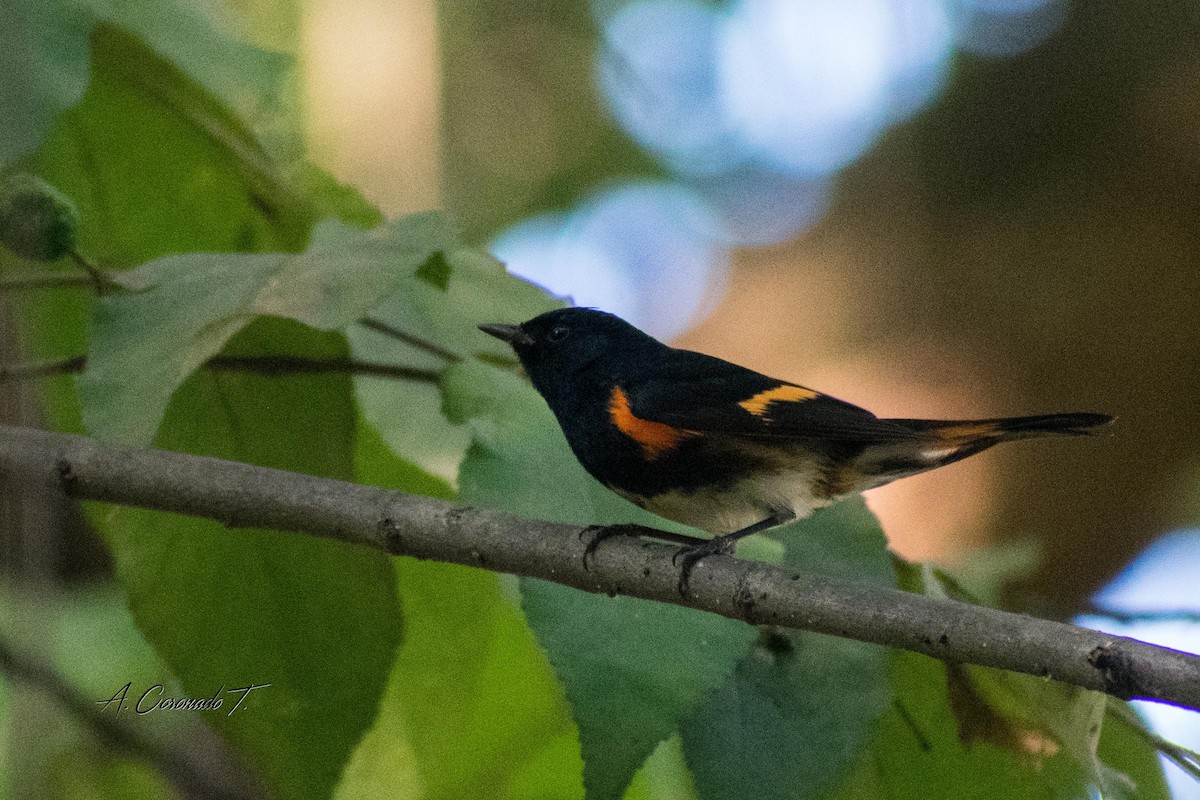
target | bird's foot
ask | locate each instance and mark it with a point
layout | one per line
(600, 533)
(687, 557)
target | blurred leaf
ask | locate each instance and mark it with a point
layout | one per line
(316, 619)
(1124, 749)
(377, 465)
(436, 271)
(156, 166)
(985, 573)
(471, 706)
(631, 668)
(664, 776)
(91, 774)
(471, 687)
(801, 707)
(477, 290)
(145, 343)
(247, 79)
(955, 731)
(43, 69)
(1057, 715)
(916, 751)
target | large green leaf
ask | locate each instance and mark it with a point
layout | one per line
(146, 342)
(471, 707)
(44, 56)
(318, 620)
(157, 166)
(246, 79)
(801, 707)
(631, 668)
(43, 69)
(477, 289)
(954, 732)
(918, 750)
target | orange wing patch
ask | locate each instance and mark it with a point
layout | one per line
(656, 438)
(786, 393)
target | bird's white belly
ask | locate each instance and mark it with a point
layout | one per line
(725, 510)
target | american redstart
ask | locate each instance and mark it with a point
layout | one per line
(720, 447)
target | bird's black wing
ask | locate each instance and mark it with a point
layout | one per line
(695, 392)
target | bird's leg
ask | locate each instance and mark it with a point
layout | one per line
(688, 556)
(600, 533)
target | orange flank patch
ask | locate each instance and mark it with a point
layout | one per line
(786, 393)
(656, 438)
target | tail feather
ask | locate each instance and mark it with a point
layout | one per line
(1009, 428)
(944, 442)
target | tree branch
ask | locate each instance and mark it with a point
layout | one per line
(241, 495)
(269, 365)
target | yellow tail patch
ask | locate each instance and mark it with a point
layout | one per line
(958, 434)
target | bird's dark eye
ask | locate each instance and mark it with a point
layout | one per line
(558, 334)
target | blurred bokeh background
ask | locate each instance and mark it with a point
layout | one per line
(931, 208)
(940, 208)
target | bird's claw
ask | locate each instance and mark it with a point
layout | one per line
(686, 558)
(600, 533)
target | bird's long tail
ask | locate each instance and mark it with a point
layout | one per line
(1008, 428)
(942, 442)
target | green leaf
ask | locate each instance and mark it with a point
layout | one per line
(955, 732)
(1124, 748)
(472, 690)
(477, 290)
(793, 718)
(43, 69)
(145, 343)
(247, 79)
(156, 165)
(316, 619)
(1072, 717)
(799, 711)
(471, 705)
(631, 668)
(918, 752)
(436, 271)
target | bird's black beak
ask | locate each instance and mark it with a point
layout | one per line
(507, 333)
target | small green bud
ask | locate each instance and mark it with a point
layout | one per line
(37, 221)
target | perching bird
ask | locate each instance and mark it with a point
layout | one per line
(720, 447)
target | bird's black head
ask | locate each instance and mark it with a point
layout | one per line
(557, 346)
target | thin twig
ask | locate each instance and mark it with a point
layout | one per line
(263, 365)
(43, 280)
(1126, 617)
(41, 369)
(95, 274)
(1187, 760)
(291, 365)
(247, 496)
(175, 766)
(393, 332)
